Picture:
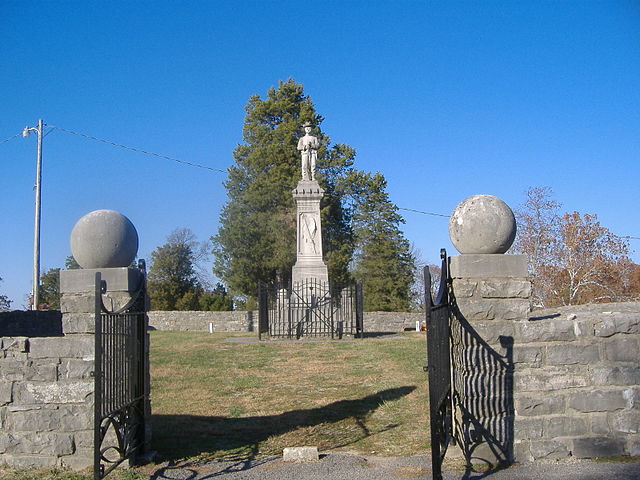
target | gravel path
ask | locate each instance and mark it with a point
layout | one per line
(353, 467)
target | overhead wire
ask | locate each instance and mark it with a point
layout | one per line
(206, 167)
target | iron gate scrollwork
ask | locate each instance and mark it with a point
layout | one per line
(438, 315)
(310, 308)
(120, 376)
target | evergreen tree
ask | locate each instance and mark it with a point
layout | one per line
(257, 234)
(383, 260)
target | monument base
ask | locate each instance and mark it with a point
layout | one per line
(305, 271)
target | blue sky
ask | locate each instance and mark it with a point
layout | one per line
(446, 99)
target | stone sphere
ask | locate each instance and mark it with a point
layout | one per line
(482, 224)
(104, 239)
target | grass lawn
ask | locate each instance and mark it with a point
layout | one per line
(215, 398)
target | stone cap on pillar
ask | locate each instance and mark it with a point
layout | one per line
(488, 266)
(121, 279)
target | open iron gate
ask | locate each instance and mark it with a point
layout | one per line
(438, 315)
(120, 375)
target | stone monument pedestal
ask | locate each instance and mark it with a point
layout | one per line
(309, 264)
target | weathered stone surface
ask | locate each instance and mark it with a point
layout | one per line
(522, 451)
(31, 443)
(493, 309)
(528, 428)
(465, 288)
(572, 354)
(78, 322)
(300, 454)
(627, 421)
(582, 328)
(77, 303)
(488, 266)
(633, 446)
(597, 446)
(482, 224)
(599, 424)
(43, 419)
(564, 426)
(618, 375)
(30, 461)
(545, 331)
(622, 349)
(597, 401)
(549, 379)
(77, 346)
(632, 396)
(611, 323)
(505, 288)
(6, 392)
(80, 460)
(549, 449)
(54, 393)
(76, 369)
(534, 405)
(527, 354)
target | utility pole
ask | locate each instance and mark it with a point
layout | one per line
(36, 229)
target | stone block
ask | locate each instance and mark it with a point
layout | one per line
(32, 443)
(120, 279)
(565, 426)
(77, 303)
(30, 461)
(534, 405)
(29, 393)
(77, 346)
(633, 446)
(597, 401)
(572, 354)
(618, 375)
(632, 396)
(582, 327)
(626, 421)
(527, 428)
(527, 354)
(622, 349)
(611, 323)
(544, 331)
(493, 332)
(78, 322)
(522, 451)
(15, 345)
(73, 369)
(300, 454)
(46, 418)
(505, 288)
(80, 460)
(599, 424)
(488, 266)
(6, 392)
(464, 288)
(548, 449)
(549, 378)
(493, 309)
(597, 446)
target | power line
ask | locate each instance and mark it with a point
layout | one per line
(12, 137)
(138, 150)
(424, 213)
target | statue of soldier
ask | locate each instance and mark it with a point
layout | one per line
(308, 145)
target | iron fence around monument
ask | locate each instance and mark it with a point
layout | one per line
(310, 308)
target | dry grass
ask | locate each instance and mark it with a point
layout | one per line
(215, 399)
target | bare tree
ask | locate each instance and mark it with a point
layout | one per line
(538, 223)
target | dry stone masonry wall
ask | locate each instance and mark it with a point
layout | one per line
(46, 392)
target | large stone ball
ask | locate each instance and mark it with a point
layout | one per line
(104, 239)
(482, 224)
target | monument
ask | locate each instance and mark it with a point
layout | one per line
(307, 195)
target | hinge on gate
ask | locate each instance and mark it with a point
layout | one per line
(425, 368)
(92, 374)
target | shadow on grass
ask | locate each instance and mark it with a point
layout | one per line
(184, 436)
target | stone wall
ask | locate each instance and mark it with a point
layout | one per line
(46, 391)
(548, 384)
(240, 321)
(577, 382)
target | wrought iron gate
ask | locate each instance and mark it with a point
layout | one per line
(438, 315)
(310, 309)
(120, 375)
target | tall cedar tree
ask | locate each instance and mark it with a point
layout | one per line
(257, 234)
(383, 261)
